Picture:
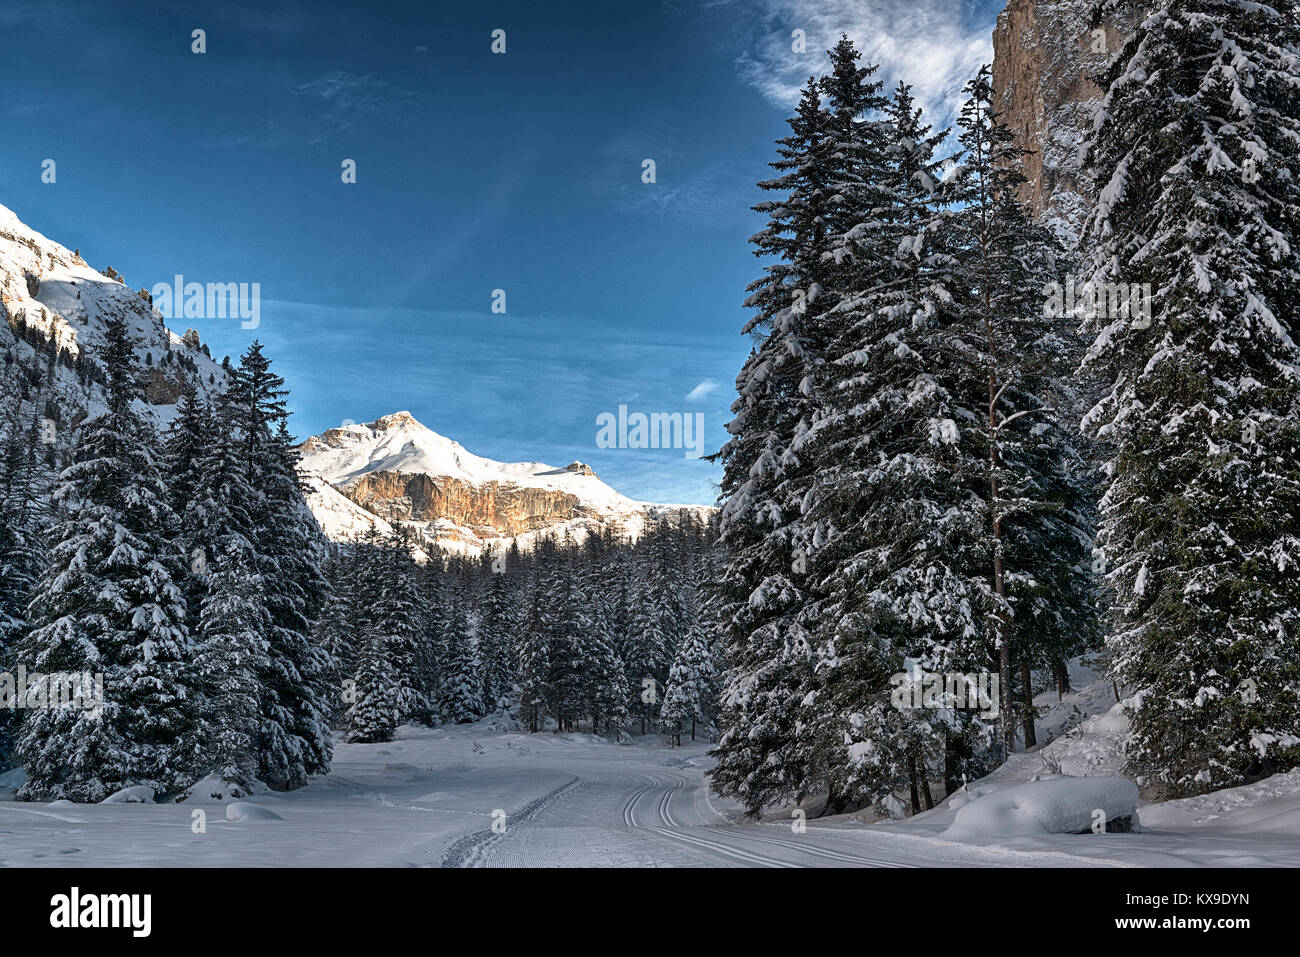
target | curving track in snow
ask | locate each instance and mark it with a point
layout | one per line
(654, 816)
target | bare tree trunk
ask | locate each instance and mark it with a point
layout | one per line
(911, 779)
(927, 799)
(834, 803)
(1062, 678)
(951, 758)
(692, 727)
(1026, 678)
(999, 574)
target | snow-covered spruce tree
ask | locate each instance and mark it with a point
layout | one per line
(657, 618)
(24, 483)
(617, 589)
(1020, 349)
(461, 686)
(108, 603)
(230, 652)
(372, 695)
(337, 630)
(398, 613)
(604, 684)
(372, 715)
(298, 548)
(431, 648)
(1195, 153)
(295, 696)
(533, 647)
(690, 685)
(497, 623)
(761, 591)
(567, 625)
(770, 747)
(187, 444)
(233, 624)
(901, 555)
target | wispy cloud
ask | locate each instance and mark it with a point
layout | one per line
(260, 134)
(699, 196)
(349, 97)
(935, 45)
(701, 390)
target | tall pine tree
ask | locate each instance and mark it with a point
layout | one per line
(109, 604)
(1195, 155)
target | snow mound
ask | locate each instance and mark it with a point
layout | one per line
(243, 811)
(136, 794)
(12, 780)
(214, 790)
(1270, 805)
(1053, 804)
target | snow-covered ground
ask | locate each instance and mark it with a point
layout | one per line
(432, 798)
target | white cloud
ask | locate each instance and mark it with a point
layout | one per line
(701, 390)
(935, 45)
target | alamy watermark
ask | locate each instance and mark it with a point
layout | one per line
(916, 688)
(1093, 300)
(215, 300)
(59, 689)
(656, 430)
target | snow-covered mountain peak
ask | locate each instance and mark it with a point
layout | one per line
(401, 443)
(397, 465)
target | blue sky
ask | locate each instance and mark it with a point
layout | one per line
(475, 172)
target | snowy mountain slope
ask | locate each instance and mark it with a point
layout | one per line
(395, 468)
(54, 303)
(340, 518)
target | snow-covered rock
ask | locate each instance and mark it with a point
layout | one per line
(1053, 804)
(136, 794)
(242, 811)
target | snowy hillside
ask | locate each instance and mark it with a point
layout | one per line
(397, 467)
(55, 307)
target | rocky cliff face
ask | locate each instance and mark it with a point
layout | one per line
(456, 514)
(489, 510)
(1045, 55)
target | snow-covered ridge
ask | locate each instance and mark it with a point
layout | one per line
(492, 500)
(399, 443)
(53, 292)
